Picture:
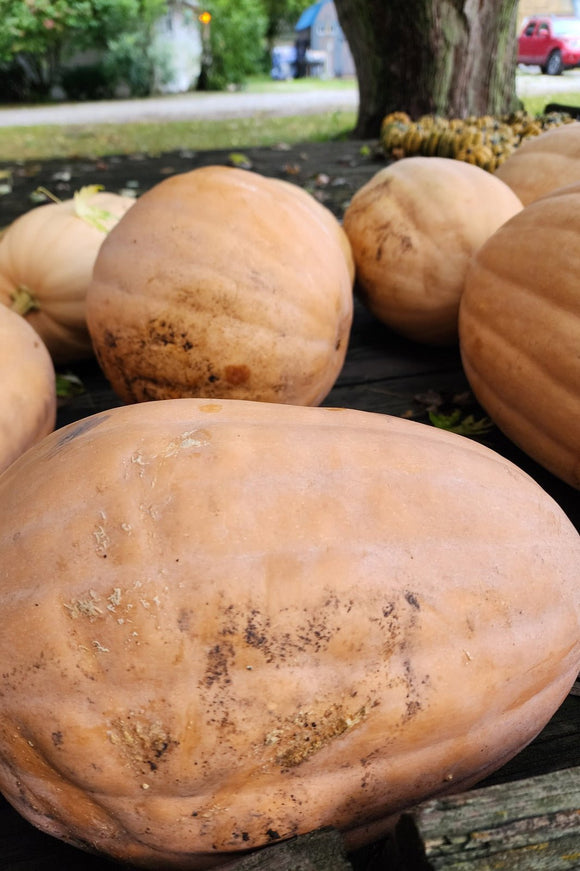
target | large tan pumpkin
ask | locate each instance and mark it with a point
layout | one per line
(28, 406)
(412, 229)
(226, 623)
(46, 264)
(543, 163)
(223, 283)
(520, 330)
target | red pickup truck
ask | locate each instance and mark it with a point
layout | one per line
(551, 43)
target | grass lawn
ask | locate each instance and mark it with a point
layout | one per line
(535, 105)
(99, 140)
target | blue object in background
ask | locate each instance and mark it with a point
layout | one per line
(283, 62)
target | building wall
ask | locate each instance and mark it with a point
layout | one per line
(177, 46)
(327, 36)
(546, 7)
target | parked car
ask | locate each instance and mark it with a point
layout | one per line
(551, 43)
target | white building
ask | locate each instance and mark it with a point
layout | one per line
(177, 48)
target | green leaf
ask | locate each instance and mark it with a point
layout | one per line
(68, 385)
(465, 425)
(240, 160)
(98, 218)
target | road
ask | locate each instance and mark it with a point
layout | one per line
(185, 107)
(217, 105)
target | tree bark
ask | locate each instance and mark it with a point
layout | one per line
(450, 57)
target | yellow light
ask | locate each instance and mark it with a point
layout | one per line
(205, 17)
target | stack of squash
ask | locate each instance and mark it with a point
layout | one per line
(231, 617)
(486, 141)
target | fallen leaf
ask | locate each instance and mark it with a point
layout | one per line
(431, 399)
(68, 385)
(461, 424)
(242, 161)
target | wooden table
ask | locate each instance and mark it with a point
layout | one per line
(382, 373)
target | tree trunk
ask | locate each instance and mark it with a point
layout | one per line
(450, 57)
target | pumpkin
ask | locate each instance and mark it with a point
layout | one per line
(520, 330)
(230, 622)
(221, 282)
(46, 263)
(543, 163)
(28, 409)
(413, 227)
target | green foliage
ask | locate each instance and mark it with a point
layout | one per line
(460, 423)
(86, 82)
(36, 35)
(281, 14)
(127, 60)
(236, 42)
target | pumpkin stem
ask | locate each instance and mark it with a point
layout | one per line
(48, 194)
(23, 301)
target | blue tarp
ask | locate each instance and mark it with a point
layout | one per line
(308, 17)
(283, 62)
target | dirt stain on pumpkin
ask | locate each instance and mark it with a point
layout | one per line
(144, 742)
(236, 375)
(299, 738)
(219, 658)
(73, 432)
(313, 635)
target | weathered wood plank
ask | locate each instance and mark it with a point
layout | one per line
(527, 825)
(320, 850)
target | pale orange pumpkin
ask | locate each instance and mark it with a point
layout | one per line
(412, 229)
(28, 407)
(543, 163)
(226, 623)
(46, 264)
(519, 330)
(222, 282)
